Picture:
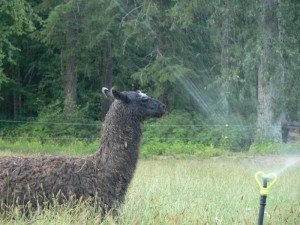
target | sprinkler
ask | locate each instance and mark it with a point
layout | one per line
(265, 182)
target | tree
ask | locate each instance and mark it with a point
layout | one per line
(289, 25)
(268, 128)
(173, 43)
(63, 30)
(225, 58)
(17, 19)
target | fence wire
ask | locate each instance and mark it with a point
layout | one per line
(232, 130)
(100, 123)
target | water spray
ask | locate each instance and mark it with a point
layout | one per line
(265, 182)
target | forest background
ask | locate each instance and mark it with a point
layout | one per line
(228, 71)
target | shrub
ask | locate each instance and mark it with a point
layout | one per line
(279, 148)
(53, 125)
(155, 147)
(191, 127)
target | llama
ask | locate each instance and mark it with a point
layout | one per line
(102, 177)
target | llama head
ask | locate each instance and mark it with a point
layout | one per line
(139, 103)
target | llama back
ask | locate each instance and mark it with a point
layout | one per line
(36, 179)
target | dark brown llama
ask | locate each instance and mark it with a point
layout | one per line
(102, 177)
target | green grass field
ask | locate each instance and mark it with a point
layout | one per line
(191, 191)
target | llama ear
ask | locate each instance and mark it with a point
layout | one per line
(120, 96)
(105, 91)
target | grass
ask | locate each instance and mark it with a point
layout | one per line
(218, 191)
(149, 149)
(33, 147)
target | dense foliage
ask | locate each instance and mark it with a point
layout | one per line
(212, 63)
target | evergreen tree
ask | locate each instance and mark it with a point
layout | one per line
(268, 127)
(17, 21)
(234, 62)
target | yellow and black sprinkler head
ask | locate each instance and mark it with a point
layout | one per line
(265, 182)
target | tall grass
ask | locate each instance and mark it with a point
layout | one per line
(35, 147)
(78, 148)
(200, 191)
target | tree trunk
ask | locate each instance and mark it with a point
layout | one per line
(69, 75)
(224, 64)
(16, 95)
(108, 77)
(70, 86)
(268, 129)
(281, 32)
(283, 118)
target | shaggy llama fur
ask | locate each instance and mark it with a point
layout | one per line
(103, 176)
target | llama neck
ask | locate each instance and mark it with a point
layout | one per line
(120, 141)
